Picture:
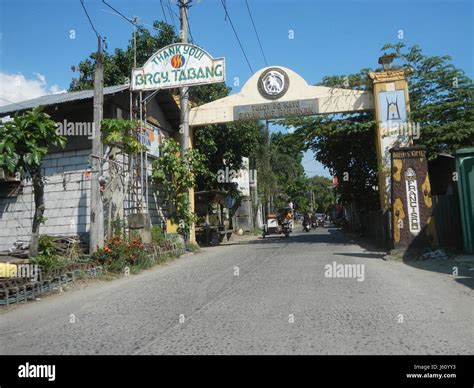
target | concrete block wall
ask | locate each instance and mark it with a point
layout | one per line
(67, 200)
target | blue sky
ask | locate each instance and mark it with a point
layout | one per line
(330, 37)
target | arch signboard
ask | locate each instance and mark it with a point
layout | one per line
(178, 65)
(278, 92)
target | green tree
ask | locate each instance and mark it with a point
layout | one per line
(224, 147)
(281, 176)
(323, 197)
(24, 142)
(346, 146)
(177, 174)
(441, 99)
(286, 160)
(261, 157)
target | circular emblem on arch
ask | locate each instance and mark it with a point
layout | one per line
(273, 83)
(177, 61)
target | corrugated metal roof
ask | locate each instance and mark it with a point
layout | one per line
(60, 98)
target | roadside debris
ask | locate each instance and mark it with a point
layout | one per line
(438, 254)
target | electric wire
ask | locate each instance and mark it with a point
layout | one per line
(236, 35)
(90, 21)
(256, 33)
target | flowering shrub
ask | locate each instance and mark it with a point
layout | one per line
(119, 253)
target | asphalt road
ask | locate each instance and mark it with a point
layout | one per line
(257, 297)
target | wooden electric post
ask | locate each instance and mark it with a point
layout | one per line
(97, 209)
(183, 92)
(184, 104)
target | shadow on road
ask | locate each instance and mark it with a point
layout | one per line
(318, 236)
(465, 276)
(364, 255)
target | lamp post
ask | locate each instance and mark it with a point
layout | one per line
(386, 61)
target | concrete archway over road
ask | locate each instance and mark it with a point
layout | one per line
(278, 92)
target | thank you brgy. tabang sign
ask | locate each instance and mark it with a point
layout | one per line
(177, 65)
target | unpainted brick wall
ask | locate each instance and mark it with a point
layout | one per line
(67, 200)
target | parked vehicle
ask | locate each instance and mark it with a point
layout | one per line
(279, 223)
(271, 226)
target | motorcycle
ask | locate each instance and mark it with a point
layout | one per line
(286, 228)
(306, 228)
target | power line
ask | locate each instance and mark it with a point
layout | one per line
(163, 10)
(170, 11)
(135, 19)
(90, 21)
(131, 21)
(237, 36)
(256, 33)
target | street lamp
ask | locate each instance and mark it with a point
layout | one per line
(386, 61)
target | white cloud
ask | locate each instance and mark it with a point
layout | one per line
(16, 88)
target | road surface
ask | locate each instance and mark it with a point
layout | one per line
(256, 297)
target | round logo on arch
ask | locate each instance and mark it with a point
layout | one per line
(273, 83)
(177, 61)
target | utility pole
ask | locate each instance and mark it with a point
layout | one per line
(183, 92)
(97, 208)
(268, 162)
(184, 104)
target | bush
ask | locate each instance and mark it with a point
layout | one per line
(46, 246)
(157, 235)
(118, 254)
(49, 262)
(47, 257)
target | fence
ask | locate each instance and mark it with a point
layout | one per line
(447, 220)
